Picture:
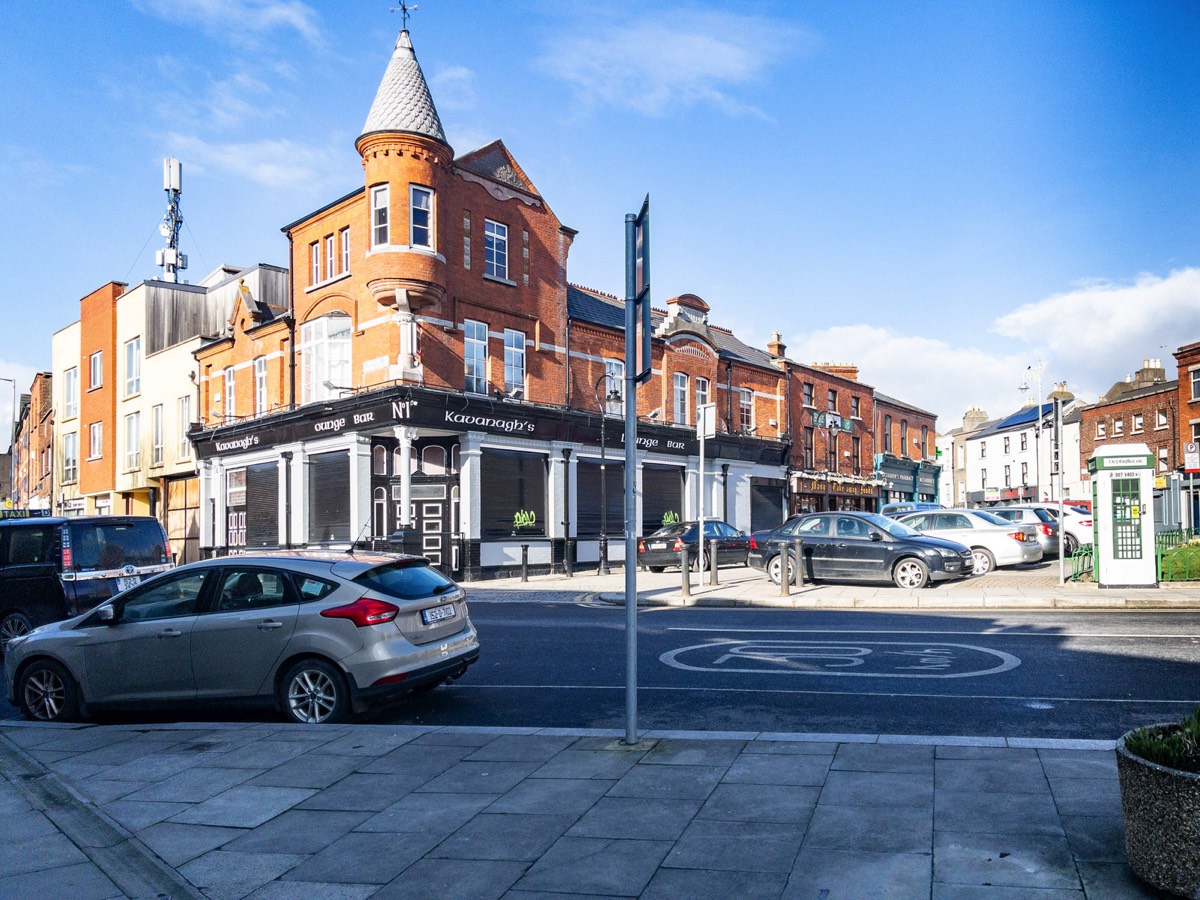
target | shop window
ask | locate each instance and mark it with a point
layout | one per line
(433, 460)
(662, 497)
(329, 497)
(588, 515)
(512, 494)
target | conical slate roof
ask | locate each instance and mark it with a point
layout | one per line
(403, 101)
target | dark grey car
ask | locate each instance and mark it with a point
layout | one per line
(318, 635)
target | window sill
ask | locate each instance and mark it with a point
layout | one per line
(328, 281)
(499, 280)
(94, 387)
(415, 249)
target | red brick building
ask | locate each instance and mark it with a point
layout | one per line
(1142, 409)
(33, 465)
(437, 381)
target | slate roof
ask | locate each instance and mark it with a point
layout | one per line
(403, 102)
(609, 312)
(892, 401)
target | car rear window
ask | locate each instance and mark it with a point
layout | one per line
(406, 580)
(1044, 516)
(112, 545)
(672, 530)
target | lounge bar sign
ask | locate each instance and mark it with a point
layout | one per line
(445, 412)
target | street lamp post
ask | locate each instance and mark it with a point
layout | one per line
(1037, 428)
(609, 395)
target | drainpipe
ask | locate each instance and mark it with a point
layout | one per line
(291, 326)
(567, 379)
(729, 397)
(286, 456)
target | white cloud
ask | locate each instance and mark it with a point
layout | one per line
(239, 99)
(271, 163)
(238, 20)
(454, 88)
(1089, 337)
(659, 63)
(924, 371)
(1103, 330)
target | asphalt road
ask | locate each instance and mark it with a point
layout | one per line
(1037, 674)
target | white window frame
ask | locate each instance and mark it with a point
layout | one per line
(96, 440)
(133, 366)
(184, 411)
(1118, 427)
(495, 249)
(514, 360)
(701, 392)
(1101, 431)
(314, 252)
(325, 356)
(70, 456)
(680, 399)
(1164, 458)
(133, 441)
(329, 257)
(71, 393)
(746, 409)
(156, 435)
(1139, 423)
(381, 234)
(420, 205)
(230, 390)
(1195, 380)
(615, 370)
(1024, 473)
(344, 239)
(96, 370)
(260, 386)
(1160, 419)
(475, 356)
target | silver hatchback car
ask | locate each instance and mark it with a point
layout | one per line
(319, 635)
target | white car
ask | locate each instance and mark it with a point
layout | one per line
(993, 541)
(1076, 526)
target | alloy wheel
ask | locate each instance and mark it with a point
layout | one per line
(45, 694)
(312, 696)
(13, 625)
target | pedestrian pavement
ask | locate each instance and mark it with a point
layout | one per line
(267, 810)
(1036, 587)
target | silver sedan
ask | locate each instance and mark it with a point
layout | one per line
(993, 541)
(317, 635)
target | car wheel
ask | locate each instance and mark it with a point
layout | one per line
(48, 693)
(13, 625)
(910, 573)
(1072, 544)
(700, 563)
(775, 569)
(314, 692)
(656, 569)
(982, 561)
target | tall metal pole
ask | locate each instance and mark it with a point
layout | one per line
(630, 480)
(604, 570)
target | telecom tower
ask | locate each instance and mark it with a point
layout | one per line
(169, 258)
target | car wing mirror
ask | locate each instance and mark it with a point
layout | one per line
(107, 615)
(876, 536)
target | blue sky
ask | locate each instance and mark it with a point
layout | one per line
(943, 193)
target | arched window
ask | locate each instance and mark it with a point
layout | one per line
(433, 460)
(325, 357)
(379, 461)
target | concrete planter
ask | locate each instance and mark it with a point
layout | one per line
(1161, 807)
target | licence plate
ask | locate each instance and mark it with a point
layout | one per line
(124, 583)
(438, 613)
(658, 545)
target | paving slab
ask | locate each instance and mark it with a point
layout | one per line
(439, 879)
(244, 806)
(836, 874)
(736, 846)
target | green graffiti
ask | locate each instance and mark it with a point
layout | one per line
(524, 518)
(670, 517)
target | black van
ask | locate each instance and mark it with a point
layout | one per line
(55, 568)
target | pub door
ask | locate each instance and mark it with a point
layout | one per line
(435, 522)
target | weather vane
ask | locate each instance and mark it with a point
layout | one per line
(404, 9)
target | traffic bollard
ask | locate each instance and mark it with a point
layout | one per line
(685, 568)
(524, 562)
(712, 562)
(799, 563)
(785, 570)
(569, 558)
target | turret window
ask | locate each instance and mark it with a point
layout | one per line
(420, 216)
(379, 216)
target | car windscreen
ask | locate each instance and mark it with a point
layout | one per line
(406, 580)
(101, 546)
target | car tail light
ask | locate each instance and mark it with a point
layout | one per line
(678, 545)
(391, 679)
(1046, 530)
(364, 612)
(753, 543)
(66, 555)
(1086, 523)
(1017, 536)
(641, 546)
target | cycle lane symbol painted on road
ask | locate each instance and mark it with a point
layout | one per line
(862, 659)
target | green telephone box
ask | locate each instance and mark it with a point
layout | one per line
(1123, 515)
